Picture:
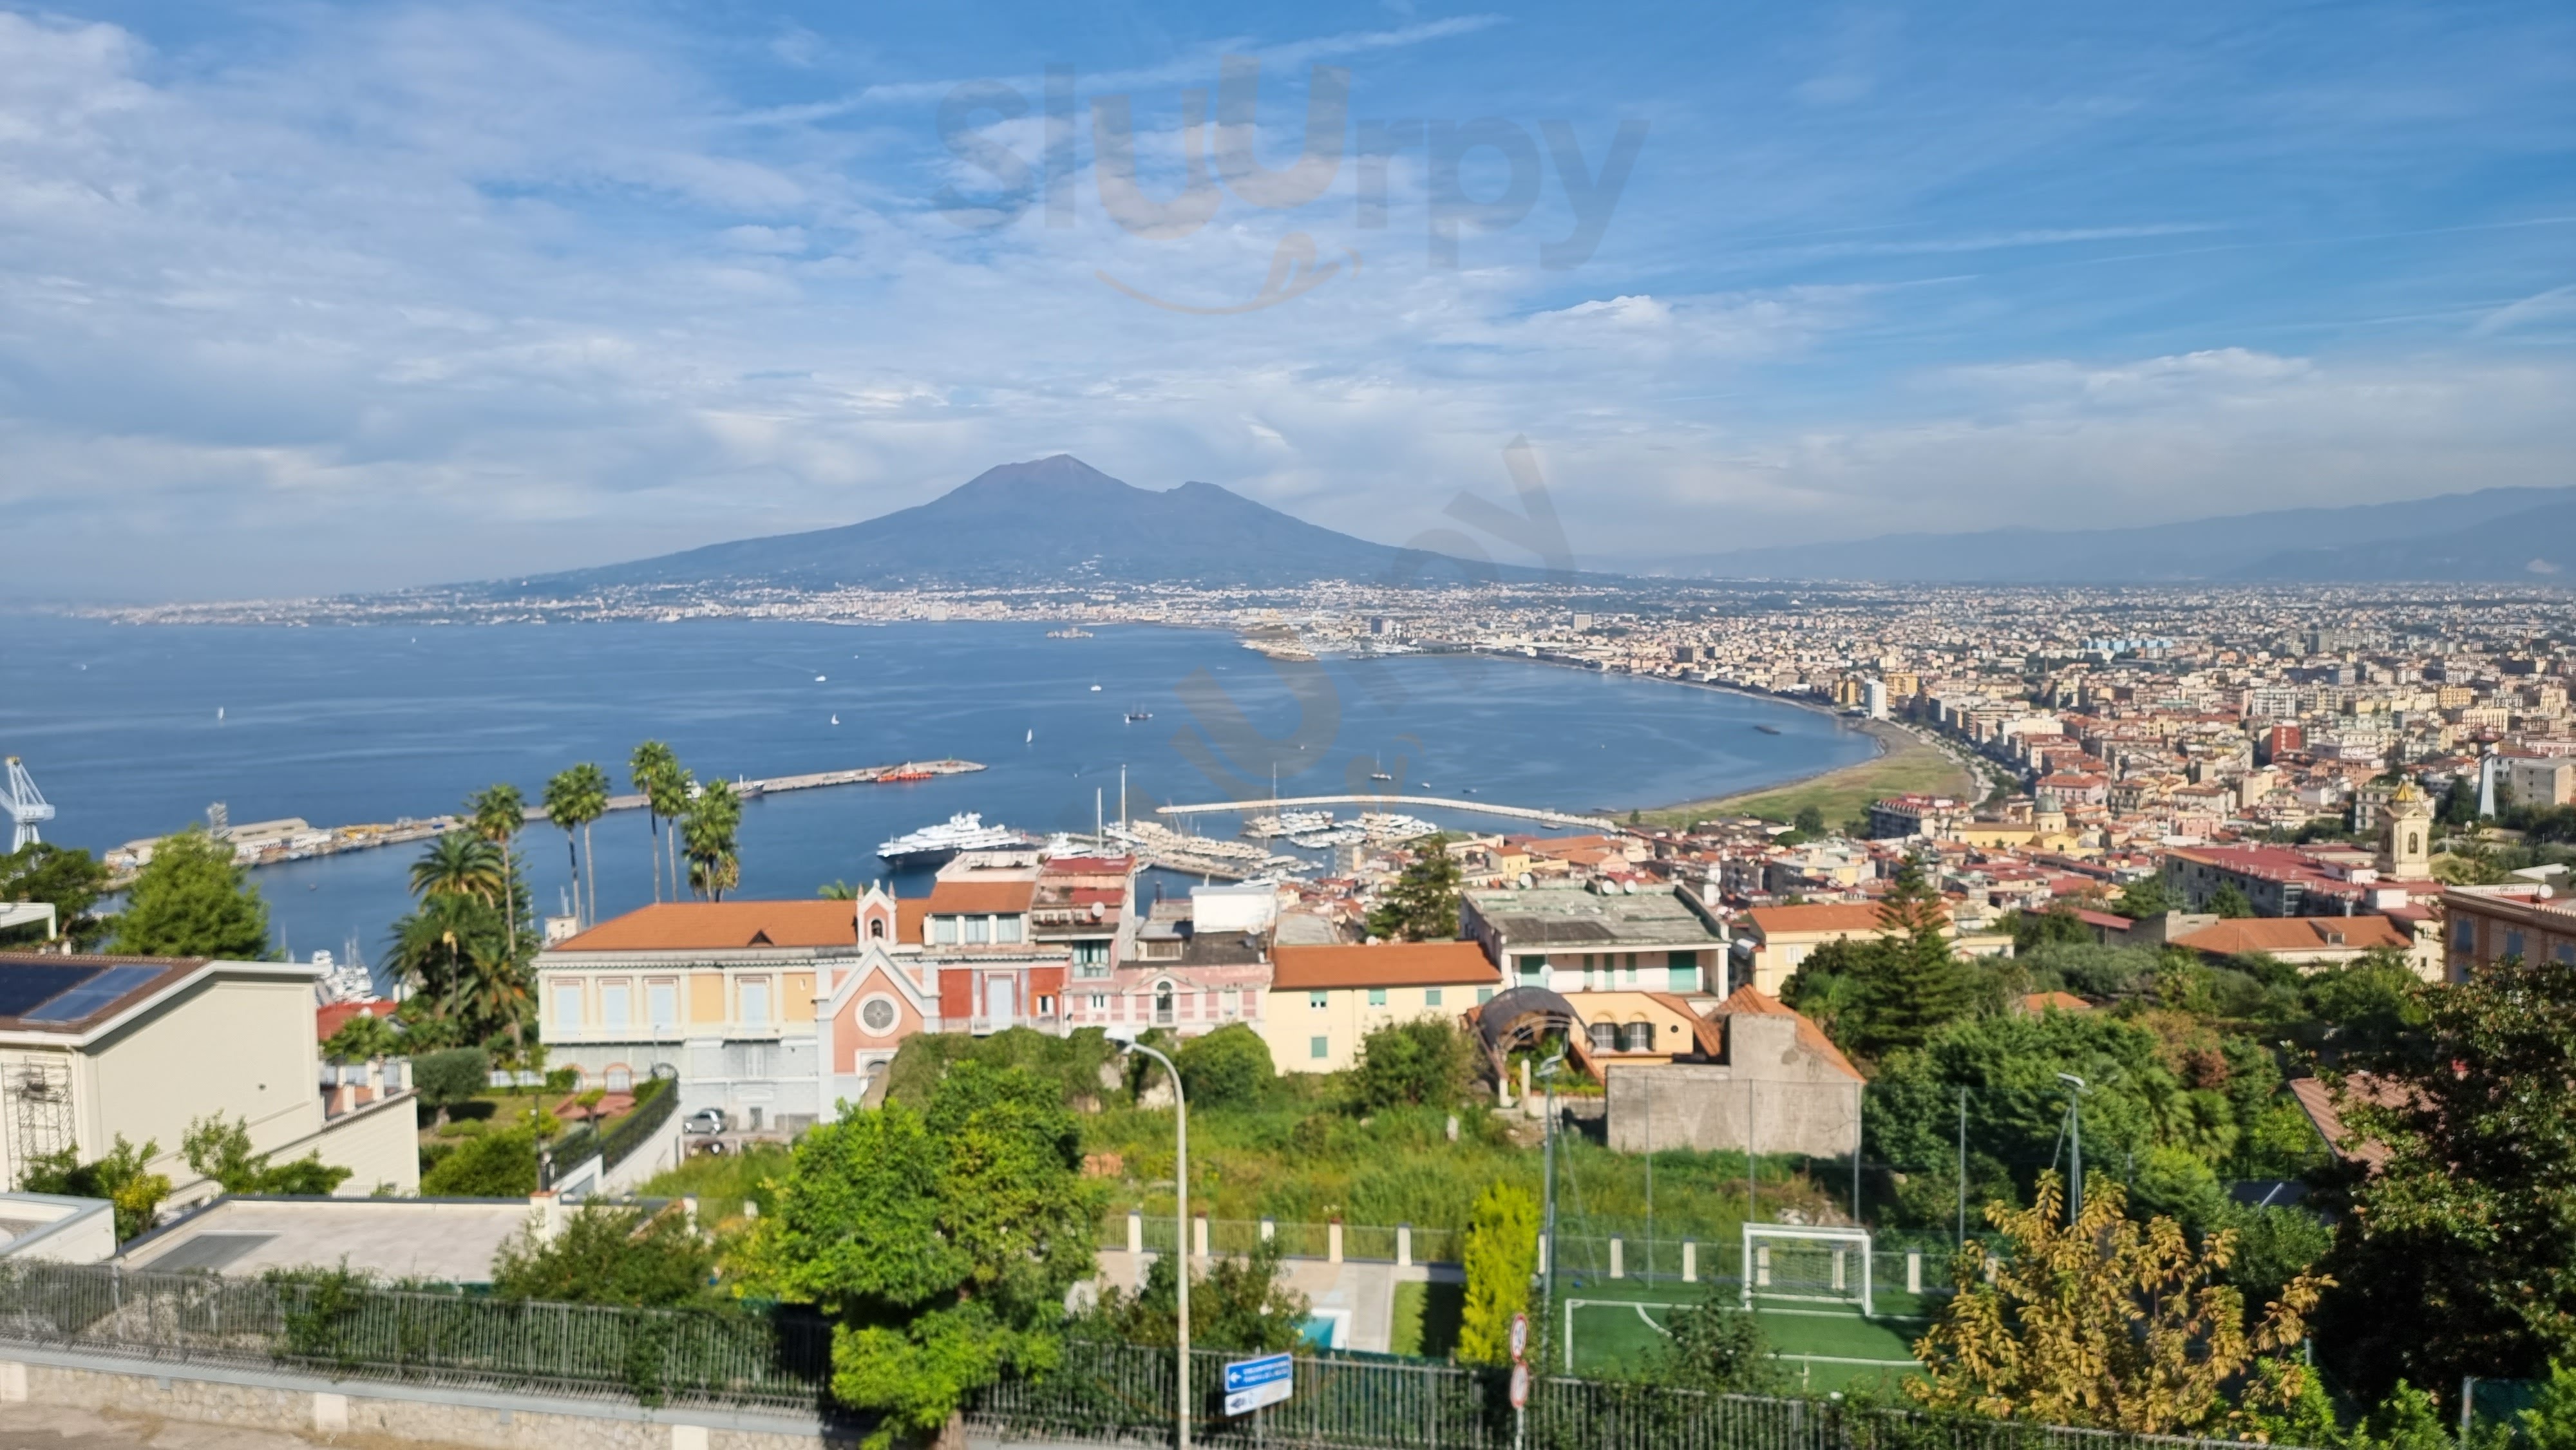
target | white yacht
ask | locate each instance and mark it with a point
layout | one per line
(937, 845)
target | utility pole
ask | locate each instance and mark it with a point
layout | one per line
(1547, 1213)
(2075, 1123)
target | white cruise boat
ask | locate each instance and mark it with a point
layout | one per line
(938, 845)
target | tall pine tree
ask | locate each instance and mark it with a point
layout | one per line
(1913, 984)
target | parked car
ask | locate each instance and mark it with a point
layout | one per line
(704, 1120)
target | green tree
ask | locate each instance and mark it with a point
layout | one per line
(2106, 1322)
(837, 891)
(449, 1077)
(2229, 902)
(1810, 821)
(1718, 1346)
(575, 797)
(1423, 1061)
(1500, 1256)
(2143, 898)
(1229, 1067)
(495, 1165)
(219, 1149)
(362, 1038)
(941, 1242)
(459, 863)
(191, 900)
(122, 1178)
(2058, 925)
(654, 770)
(454, 952)
(498, 813)
(610, 1254)
(1914, 985)
(2550, 1422)
(68, 877)
(1422, 905)
(2458, 1254)
(1239, 1304)
(708, 830)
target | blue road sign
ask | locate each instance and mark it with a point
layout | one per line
(1244, 1374)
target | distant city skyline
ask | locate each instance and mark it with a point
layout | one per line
(344, 297)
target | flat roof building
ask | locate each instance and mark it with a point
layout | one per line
(1569, 939)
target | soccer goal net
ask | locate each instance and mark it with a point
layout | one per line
(1814, 1265)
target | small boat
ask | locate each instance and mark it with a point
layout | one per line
(836, 719)
(1380, 775)
(1095, 689)
(1031, 738)
(1135, 715)
(896, 775)
(818, 679)
(1768, 729)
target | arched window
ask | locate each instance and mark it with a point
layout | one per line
(876, 928)
(1163, 1002)
(2414, 843)
(1605, 1038)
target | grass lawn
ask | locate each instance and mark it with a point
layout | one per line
(1617, 1326)
(1909, 766)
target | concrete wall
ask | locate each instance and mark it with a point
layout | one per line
(241, 1047)
(658, 1154)
(378, 1144)
(1710, 1108)
(72, 1231)
(320, 1409)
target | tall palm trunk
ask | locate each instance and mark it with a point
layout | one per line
(589, 875)
(572, 853)
(656, 817)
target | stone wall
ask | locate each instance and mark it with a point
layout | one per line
(1710, 1108)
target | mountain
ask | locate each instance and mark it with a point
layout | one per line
(2494, 534)
(1053, 520)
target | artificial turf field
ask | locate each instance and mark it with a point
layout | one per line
(1613, 1325)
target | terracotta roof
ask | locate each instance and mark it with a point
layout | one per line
(1839, 916)
(1750, 1000)
(1704, 1033)
(2326, 1114)
(685, 926)
(2295, 934)
(2038, 1002)
(908, 916)
(982, 898)
(331, 1016)
(2103, 919)
(1388, 964)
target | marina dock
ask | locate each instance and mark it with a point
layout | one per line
(1524, 813)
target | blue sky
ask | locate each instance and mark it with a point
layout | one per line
(299, 297)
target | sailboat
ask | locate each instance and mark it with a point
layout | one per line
(1380, 772)
(836, 719)
(1031, 738)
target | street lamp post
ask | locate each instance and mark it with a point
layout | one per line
(1180, 1239)
(1547, 1218)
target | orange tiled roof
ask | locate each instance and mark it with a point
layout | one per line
(1388, 964)
(981, 898)
(686, 926)
(1750, 1000)
(1831, 916)
(2295, 934)
(2037, 1002)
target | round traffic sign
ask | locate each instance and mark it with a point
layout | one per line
(1520, 1335)
(1520, 1385)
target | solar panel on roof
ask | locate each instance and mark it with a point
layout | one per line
(91, 995)
(23, 986)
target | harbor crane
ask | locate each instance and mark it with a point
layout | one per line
(26, 806)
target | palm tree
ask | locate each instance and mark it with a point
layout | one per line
(458, 863)
(837, 891)
(713, 817)
(435, 945)
(577, 796)
(498, 813)
(655, 770)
